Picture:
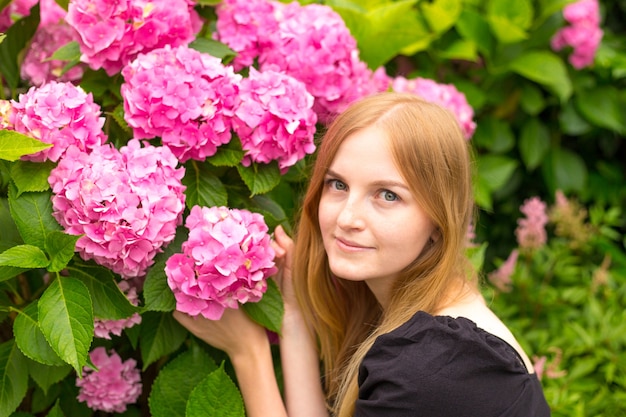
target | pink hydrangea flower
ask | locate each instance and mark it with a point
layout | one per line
(445, 95)
(111, 387)
(61, 114)
(245, 26)
(225, 261)
(501, 277)
(6, 108)
(113, 33)
(275, 119)
(583, 34)
(184, 96)
(531, 230)
(126, 204)
(105, 328)
(14, 11)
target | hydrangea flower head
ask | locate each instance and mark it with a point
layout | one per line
(61, 114)
(225, 261)
(105, 328)
(445, 95)
(583, 34)
(184, 96)
(275, 119)
(113, 33)
(245, 26)
(126, 204)
(531, 230)
(113, 386)
(6, 108)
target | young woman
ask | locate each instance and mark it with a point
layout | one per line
(378, 287)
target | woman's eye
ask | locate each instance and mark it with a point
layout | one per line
(337, 185)
(388, 195)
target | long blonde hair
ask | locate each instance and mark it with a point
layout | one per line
(431, 154)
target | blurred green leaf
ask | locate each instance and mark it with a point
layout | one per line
(602, 107)
(546, 69)
(564, 170)
(213, 48)
(13, 378)
(534, 143)
(473, 27)
(510, 21)
(17, 38)
(14, 145)
(441, 15)
(496, 170)
(68, 52)
(218, 393)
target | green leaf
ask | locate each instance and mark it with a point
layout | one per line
(476, 255)
(46, 376)
(546, 69)
(31, 176)
(213, 47)
(24, 256)
(602, 107)
(496, 170)
(68, 52)
(109, 302)
(60, 247)
(217, 393)
(66, 320)
(14, 145)
(534, 143)
(56, 410)
(157, 294)
(17, 38)
(229, 155)
(510, 21)
(460, 49)
(473, 27)
(571, 122)
(203, 187)
(160, 335)
(260, 178)
(31, 340)
(32, 213)
(269, 311)
(13, 378)
(174, 383)
(494, 135)
(532, 100)
(441, 15)
(118, 116)
(564, 170)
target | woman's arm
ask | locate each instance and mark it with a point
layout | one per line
(304, 396)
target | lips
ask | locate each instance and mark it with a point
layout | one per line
(350, 246)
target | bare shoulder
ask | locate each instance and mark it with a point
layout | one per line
(474, 308)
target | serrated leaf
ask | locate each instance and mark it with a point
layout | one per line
(13, 378)
(31, 176)
(14, 145)
(109, 302)
(66, 320)
(269, 311)
(534, 143)
(229, 155)
(171, 388)
(260, 178)
(45, 376)
(24, 256)
(157, 294)
(203, 187)
(31, 340)
(118, 116)
(61, 248)
(544, 68)
(160, 335)
(17, 37)
(217, 393)
(32, 213)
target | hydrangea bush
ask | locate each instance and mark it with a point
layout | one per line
(148, 148)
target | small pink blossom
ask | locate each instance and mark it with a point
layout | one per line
(549, 369)
(183, 96)
(15, 10)
(61, 114)
(114, 33)
(583, 34)
(125, 204)
(6, 108)
(225, 261)
(501, 277)
(111, 387)
(445, 95)
(531, 231)
(105, 328)
(275, 119)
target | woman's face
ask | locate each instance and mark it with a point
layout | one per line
(371, 224)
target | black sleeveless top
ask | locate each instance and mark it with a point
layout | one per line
(441, 366)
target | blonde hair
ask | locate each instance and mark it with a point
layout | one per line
(431, 154)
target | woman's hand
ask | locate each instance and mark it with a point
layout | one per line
(283, 246)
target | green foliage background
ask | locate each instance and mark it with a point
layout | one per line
(543, 126)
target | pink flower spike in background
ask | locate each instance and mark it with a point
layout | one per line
(583, 34)
(445, 95)
(531, 231)
(111, 387)
(275, 119)
(225, 261)
(501, 278)
(61, 114)
(126, 204)
(183, 96)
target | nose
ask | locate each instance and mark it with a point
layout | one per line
(351, 215)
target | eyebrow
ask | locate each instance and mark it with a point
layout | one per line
(380, 183)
